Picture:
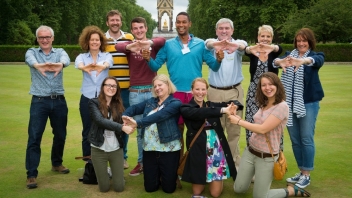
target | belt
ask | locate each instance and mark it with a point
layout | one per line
(225, 88)
(259, 154)
(140, 90)
(53, 97)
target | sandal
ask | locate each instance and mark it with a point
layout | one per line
(303, 193)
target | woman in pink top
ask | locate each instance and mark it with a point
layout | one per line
(256, 160)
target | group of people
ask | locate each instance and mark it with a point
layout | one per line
(121, 92)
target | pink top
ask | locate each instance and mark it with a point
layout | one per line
(258, 141)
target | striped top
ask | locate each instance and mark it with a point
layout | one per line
(120, 69)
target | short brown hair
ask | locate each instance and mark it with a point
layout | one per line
(112, 13)
(280, 94)
(87, 32)
(139, 20)
(307, 34)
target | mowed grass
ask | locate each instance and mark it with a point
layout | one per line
(332, 176)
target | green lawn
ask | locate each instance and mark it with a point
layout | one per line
(332, 176)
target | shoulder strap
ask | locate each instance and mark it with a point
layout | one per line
(195, 137)
(269, 145)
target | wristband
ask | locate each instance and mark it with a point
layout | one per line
(239, 121)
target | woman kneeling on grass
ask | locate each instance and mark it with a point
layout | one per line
(105, 135)
(269, 121)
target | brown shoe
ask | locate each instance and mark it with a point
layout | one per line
(31, 182)
(60, 169)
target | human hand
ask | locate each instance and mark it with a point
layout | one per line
(134, 47)
(54, 67)
(296, 62)
(261, 51)
(219, 55)
(234, 119)
(230, 47)
(129, 121)
(219, 45)
(89, 68)
(146, 54)
(230, 109)
(128, 129)
(283, 63)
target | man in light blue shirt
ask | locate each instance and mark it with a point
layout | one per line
(225, 84)
(48, 101)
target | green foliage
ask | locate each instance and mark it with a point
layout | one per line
(20, 33)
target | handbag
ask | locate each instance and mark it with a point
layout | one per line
(182, 163)
(280, 166)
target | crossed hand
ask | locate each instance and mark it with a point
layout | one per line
(225, 45)
(129, 124)
(261, 51)
(50, 67)
(139, 46)
(289, 62)
(93, 67)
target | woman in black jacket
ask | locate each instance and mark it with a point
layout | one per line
(105, 135)
(209, 160)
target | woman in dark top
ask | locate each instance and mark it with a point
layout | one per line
(261, 57)
(209, 160)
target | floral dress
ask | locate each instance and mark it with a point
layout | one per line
(217, 168)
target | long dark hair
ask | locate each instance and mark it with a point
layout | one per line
(116, 105)
(280, 94)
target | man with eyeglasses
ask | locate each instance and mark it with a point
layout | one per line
(48, 101)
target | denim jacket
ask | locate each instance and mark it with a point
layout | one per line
(166, 117)
(99, 124)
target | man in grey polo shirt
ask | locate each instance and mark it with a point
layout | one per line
(225, 84)
(48, 101)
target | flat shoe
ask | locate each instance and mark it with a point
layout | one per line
(303, 193)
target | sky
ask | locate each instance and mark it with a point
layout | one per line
(150, 6)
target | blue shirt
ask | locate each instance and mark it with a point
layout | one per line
(230, 72)
(183, 67)
(46, 85)
(91, 83)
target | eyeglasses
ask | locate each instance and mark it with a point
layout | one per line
(111, 86)
(41, 38)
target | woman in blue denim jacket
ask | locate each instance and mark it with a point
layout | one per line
(160, 133)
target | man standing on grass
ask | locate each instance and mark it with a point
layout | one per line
(120, 69)
(141, 75)
(48, 101)
(225, 84)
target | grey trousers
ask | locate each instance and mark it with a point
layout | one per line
(100, 161)
(262, 168)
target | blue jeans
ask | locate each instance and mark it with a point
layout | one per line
(41, 109)
(86, 122)
(160, 168)
(135, 98)
(126, 103)
(302, 136)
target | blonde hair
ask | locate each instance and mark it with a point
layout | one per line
(266, 28)
(165, 79)
(202, 80)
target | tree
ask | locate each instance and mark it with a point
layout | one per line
(21, 34)
(329, 19)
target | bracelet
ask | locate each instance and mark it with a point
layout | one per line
(239, 121)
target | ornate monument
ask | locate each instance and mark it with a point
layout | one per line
(165, 6)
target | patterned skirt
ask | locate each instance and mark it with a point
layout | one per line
(217, 168)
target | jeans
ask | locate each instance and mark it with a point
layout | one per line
(302, 136)
(262, 168)
(100, 161)
(135, 98)
(160, 168)
(86, 122)
(126, 103)
(41, 109)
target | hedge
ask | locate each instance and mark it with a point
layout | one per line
(333, 52)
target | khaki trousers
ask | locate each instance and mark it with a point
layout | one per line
(233, 131)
